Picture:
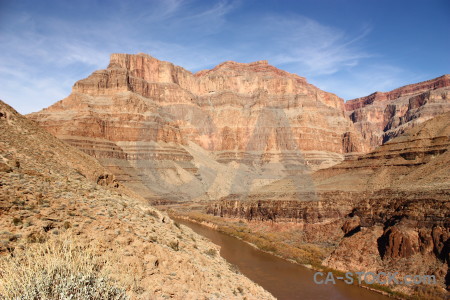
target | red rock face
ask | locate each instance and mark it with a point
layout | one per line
(382, 116)
(407, 90)
(399, 243)
(392, 205)
(241, 103)
(141, 117)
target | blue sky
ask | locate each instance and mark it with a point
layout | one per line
(348, 47)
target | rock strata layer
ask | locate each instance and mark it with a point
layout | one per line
(171, 134)
(382, 116)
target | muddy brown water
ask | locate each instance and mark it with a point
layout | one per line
(285, 280)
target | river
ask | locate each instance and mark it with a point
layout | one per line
(285, 280)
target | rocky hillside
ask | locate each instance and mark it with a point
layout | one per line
(172, 135)
(381, 116)
(48, 189)
(389, 210)
(401, 221)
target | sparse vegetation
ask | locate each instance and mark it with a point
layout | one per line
(211, 252)
(36, 237)
(67, 225)
(17, 221)
(122, 248)
(175, 245)
(152, 213)
(56, 269)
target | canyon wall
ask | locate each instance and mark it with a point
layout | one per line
(173, 135)
(381, 116)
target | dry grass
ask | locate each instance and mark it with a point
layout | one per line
(211, 252)
(59, 268)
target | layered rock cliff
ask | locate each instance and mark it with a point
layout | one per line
(381, 116)
(404, 222)
(173, 135)
(391, 206)
(50, 189)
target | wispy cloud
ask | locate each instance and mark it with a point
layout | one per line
(162, 10)
(212, 15)
(313, 48)
(364, 80)
(42, 56)
(46, 54)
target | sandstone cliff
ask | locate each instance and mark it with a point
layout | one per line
(48, 189)
(381, 116)
(170, 134)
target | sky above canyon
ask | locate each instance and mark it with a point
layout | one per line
(349, 47)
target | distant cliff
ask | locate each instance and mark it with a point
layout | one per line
(381, 116)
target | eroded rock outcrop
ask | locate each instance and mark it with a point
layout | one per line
(382, 116)
(408, 211)
(391, 205)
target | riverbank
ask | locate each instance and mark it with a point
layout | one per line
(282, 240)
(283, 279)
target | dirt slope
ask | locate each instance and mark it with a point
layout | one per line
(48, 189)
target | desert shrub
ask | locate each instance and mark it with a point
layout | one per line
(152, 213)
(17, 221)
(234, 269)
(56, 269)
(67, 225)
(36, 237)
(175, 245)
(211, 252)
